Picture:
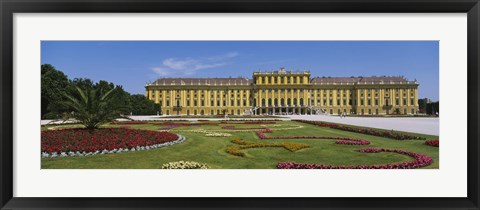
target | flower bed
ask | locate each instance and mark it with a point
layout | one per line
(368, 131)
(433, 143)
(210, 133)
(317, 123)
(420, 161)
(249, 122)
(231, 127)
(218, 134)
(184, 165)
(339, 140)
(185, 124)
(80, 142)
(128, 122)
(236, 149)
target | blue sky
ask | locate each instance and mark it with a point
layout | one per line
(133, 63)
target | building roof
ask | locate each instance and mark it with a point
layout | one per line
(203, 81)
(381, 79)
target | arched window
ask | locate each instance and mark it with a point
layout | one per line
(282, 101)
(295, 101)
(301, 101)
(276, 101)
(289, 101)
(269, 102)
(263, 102)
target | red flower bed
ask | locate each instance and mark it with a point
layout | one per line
(420, 161)
(433, 143)
(83, 140)
(339, 140)
(368, 131)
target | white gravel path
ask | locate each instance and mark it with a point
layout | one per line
(422, 125)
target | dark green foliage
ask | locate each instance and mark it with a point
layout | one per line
(58, 94)
(53, 85)
(142, 106)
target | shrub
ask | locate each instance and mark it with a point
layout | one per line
(184, 165)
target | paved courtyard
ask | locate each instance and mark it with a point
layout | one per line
(422, 125)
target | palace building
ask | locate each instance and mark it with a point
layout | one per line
(285, 92)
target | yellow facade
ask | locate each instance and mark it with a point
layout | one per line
(285, 92)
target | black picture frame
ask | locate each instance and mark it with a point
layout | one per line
(10, 7)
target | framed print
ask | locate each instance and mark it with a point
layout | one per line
(278, 104)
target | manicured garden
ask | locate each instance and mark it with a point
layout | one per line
(235, 145)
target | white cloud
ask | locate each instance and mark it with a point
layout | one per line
(225, 56)
(160, 71)
(178, 64)
(189, 66)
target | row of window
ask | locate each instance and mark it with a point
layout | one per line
(212, 103)
(212, 112)
(280, 80)
(325, 91)
(276, 102)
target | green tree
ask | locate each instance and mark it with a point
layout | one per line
(92, 107)
(142, 106)
(54, 84)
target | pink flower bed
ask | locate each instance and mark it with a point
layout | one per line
(262, 135)
(83, 140)
(368, 131)
(420, 161)
(339, 140)
(433, 143)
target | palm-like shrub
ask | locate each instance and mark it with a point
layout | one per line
(93, 107)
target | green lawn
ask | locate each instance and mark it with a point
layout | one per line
(211, 150)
